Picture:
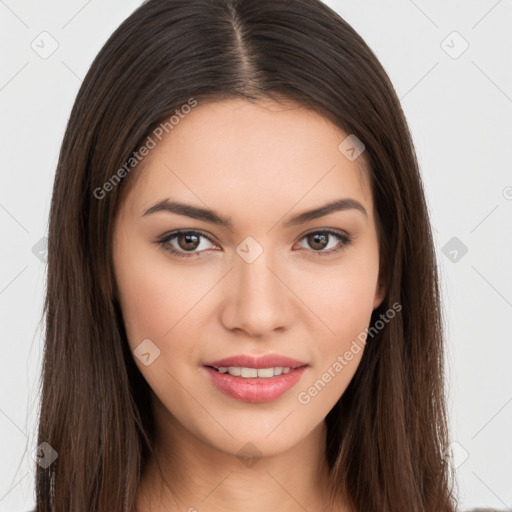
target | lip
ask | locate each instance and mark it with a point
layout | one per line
(254, 390)
(266, 361)
(257, 389)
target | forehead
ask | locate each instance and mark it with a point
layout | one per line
(242, 153)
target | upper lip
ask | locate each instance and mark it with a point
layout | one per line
(266, 361)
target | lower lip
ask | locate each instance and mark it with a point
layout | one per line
(258, 389)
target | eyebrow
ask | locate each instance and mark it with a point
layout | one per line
(195, 212)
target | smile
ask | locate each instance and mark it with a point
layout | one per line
(246, 373)
(254, 385)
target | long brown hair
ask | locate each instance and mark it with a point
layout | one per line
(387, 435)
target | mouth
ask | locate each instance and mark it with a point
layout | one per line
(249, 362)
(254, 385)
(246, 372)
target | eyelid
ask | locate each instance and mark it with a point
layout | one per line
(336, 231)
(186, 230)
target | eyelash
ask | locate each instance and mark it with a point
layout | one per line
(344, 238)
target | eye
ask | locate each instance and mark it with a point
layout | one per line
(319, 240)
(186, 243)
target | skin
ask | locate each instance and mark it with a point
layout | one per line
(258, 164)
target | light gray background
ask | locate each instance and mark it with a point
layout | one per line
(459, 108)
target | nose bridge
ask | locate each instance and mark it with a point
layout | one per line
(258, 299)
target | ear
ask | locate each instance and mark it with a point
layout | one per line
(380, 293)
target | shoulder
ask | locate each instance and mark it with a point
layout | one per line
(484, 510)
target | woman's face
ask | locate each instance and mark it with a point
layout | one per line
(264, 281)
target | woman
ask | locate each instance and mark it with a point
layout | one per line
(242, 305)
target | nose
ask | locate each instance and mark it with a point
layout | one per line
(257, 301)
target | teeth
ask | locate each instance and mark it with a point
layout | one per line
(248, 373)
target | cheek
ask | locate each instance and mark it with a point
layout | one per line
(154, 296)
(342, 298)
(338, 348)
(156, 303)
(142, 300)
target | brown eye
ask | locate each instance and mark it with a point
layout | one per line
(185, 243)
(319, 240)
